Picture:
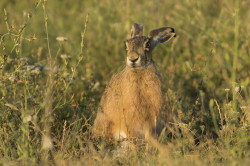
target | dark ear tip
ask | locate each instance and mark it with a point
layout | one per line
(173, 31)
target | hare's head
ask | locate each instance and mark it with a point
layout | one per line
(139, 48)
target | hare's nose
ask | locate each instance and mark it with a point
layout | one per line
(134, 60)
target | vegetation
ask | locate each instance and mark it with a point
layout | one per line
(56, 58)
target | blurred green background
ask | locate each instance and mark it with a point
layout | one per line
(205, 72)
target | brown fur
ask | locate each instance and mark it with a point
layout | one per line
(132, 100)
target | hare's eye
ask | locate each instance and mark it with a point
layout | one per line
(147, 46)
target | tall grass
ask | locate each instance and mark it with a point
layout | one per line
(56, 58)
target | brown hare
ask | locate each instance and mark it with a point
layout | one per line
(132, 100)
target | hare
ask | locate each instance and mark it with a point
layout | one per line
(132, 101)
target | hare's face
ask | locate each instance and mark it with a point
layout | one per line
(138, 52)
(139, 47)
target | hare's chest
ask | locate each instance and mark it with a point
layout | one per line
(142, 89)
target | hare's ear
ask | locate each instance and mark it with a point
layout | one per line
(136, 30)
(161, 35)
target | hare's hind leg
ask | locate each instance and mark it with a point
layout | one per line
(102, 125)
(119, 134)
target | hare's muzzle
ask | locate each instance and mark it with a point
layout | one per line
(133, 61)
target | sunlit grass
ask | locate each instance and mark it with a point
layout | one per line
(56, 58)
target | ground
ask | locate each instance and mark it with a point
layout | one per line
(56, 57)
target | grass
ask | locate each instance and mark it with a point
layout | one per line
(56, 57)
